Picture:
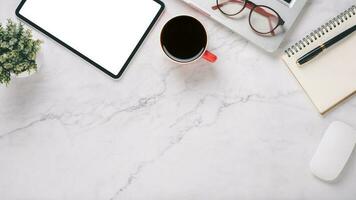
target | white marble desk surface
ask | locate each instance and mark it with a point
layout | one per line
(239, 129)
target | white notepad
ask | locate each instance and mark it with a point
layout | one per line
(329, 78)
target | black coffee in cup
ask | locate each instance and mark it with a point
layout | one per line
(184, 39)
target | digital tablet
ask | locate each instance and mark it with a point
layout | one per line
(106, 33)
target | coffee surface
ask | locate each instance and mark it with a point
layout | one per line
(184, 39)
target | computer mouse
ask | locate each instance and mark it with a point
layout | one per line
(334, 151)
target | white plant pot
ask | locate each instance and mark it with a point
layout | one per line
(28, 73)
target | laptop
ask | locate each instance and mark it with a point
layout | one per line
(289, 10)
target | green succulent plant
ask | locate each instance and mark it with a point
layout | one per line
(18, 51)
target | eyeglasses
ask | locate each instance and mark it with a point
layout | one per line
(262, 19)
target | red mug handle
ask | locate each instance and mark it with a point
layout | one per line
(210, 56)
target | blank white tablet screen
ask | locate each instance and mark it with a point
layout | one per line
(105, 31)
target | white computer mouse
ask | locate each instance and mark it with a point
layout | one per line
(334, 151)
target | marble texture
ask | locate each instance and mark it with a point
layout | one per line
(239, 129)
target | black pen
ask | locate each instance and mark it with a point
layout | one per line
(313, 53)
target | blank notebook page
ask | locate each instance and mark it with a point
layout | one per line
(329, 78)
(106, 31)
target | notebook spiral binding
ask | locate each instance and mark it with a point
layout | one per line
(322, 30)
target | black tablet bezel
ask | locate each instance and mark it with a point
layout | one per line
(115, 76)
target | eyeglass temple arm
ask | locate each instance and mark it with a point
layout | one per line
(248, 5)
(271, 26)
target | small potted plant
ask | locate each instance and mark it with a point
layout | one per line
(18, 51)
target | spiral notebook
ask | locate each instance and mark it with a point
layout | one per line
(329, 78)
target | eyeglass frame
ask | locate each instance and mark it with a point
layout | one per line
(252, 7)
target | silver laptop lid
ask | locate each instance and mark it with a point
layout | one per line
(289, 10)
